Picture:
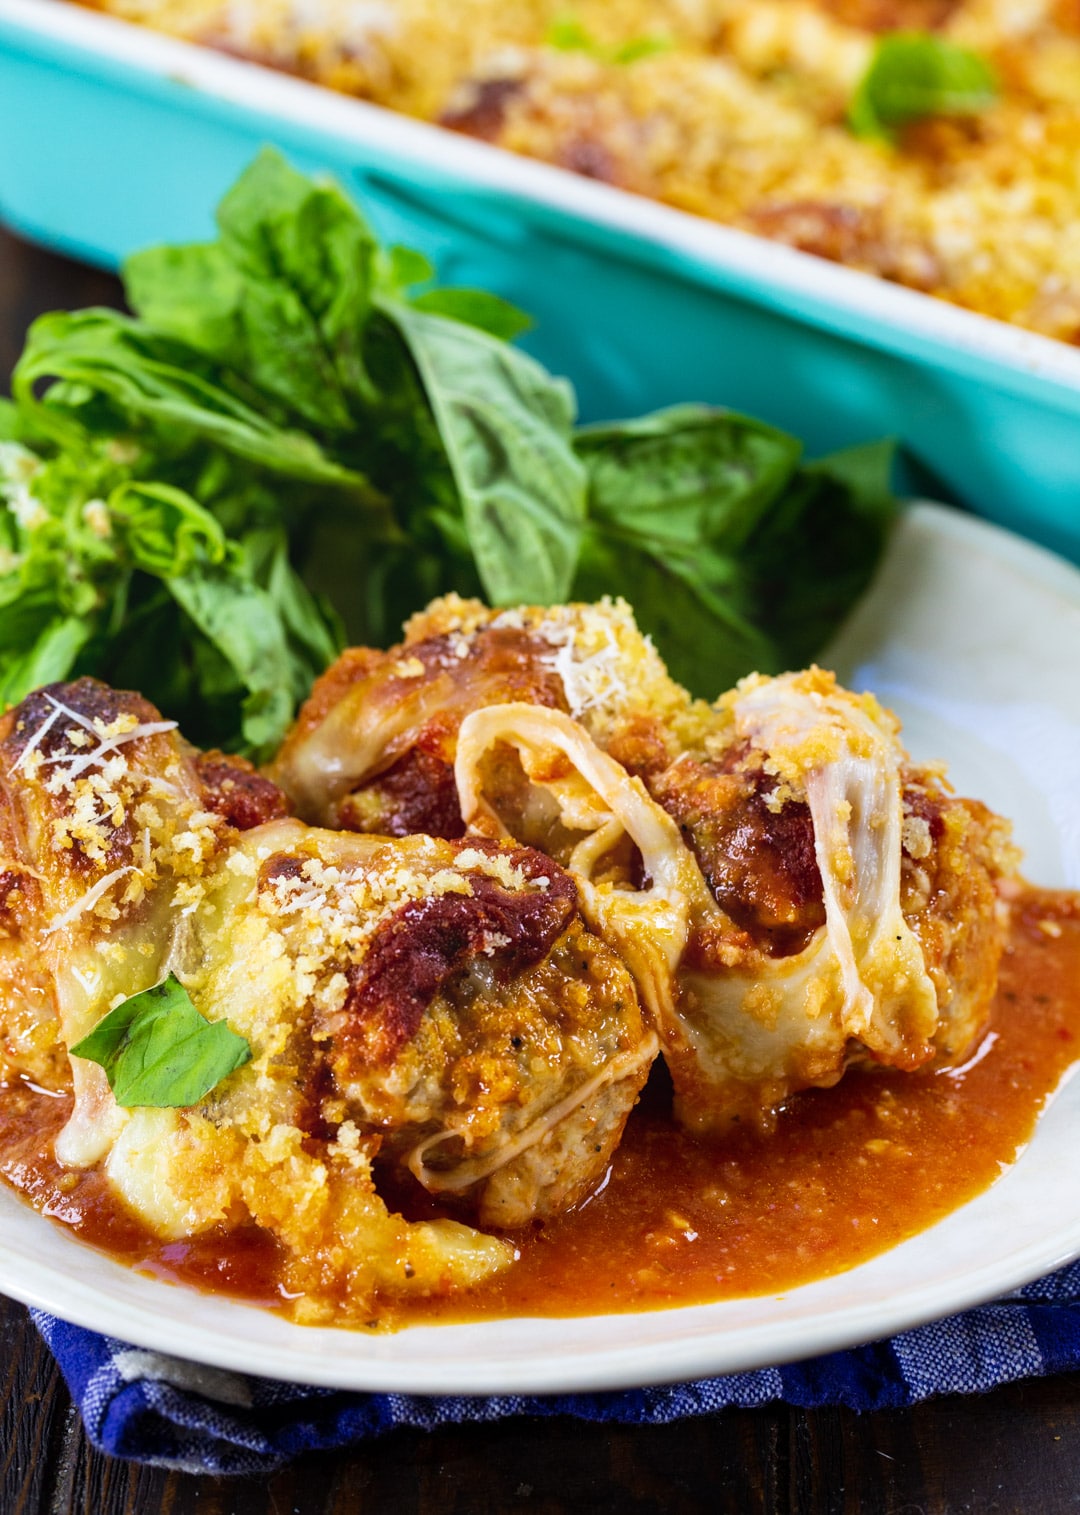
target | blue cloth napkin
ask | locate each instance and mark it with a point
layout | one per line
(174, 1414)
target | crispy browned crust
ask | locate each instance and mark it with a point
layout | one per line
(352, 667)
(951, 901)
(234, 789)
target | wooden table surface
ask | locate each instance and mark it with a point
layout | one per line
(1013, 1452)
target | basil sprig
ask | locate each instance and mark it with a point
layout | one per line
(157, 1050)
(913, 75)
(734, 553)
(285, 416)
(300, 438)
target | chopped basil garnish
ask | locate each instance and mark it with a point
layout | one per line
(568, 35)
(915, 74)
(158, 1050)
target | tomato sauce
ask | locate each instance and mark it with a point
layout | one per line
(847, 1173)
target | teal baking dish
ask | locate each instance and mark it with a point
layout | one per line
(114, 138)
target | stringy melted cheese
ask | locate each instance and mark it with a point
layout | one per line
(598, 798)
(740, 1036)
(843, 753)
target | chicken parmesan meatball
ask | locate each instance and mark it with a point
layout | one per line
(791, 893)
(104, 822)
(459, 1012)
(374, 747)
(106, 817)
(434, 1007)
(857, 917)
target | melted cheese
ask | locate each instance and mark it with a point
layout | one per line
(648, 927)
(345, 749)
(465, 1174)
(845, 753)
(740, 1037)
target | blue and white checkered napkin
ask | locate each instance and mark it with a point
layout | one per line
(175, 1414)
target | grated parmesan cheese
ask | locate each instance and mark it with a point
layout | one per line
(587, 682)
(88, 900)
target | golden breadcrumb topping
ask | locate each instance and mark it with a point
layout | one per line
(607, 667)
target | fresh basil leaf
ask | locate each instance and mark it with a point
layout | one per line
(159, 651)
(697, 608)
(568, 35)
(56, 574)
(917, 74)
(158, 1051)
(242, 622)
(288, 291)
(639, 48)
(505, 425)
(865, 473)
(192, 293)
(164, 531)
(475, 307)
(734, 557)
(673, 498)
(51, 656)
(687, 476)
(816, 553)
(401, 268)
(155, 379)
(310, 622)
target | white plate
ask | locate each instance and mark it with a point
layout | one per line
(971, 635)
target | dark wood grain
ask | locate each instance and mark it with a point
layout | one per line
(1013, 1452)
(33, 1410)
(33, 281)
